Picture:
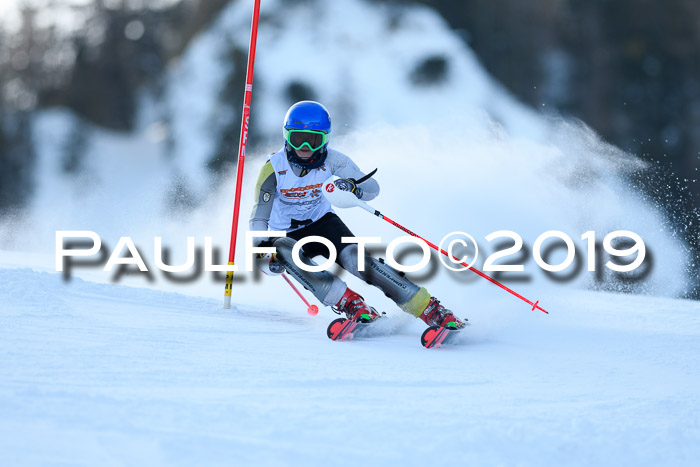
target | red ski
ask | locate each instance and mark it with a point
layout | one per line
(343, 329)
(436, 336)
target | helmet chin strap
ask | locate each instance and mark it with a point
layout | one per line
(315, 161)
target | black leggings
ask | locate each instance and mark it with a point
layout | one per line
(324, 285)
(329, 227)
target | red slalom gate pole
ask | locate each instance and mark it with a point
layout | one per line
(310, 309)
(535, 305)
(242, 145)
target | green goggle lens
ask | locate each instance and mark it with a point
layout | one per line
(311, 139)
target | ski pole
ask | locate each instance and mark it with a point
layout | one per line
(535, 305)
(312, 309)
(340, 199)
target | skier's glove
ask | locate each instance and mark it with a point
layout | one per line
(270, 264)
(263, 243)
(349, 184)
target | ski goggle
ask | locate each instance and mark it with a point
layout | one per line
(311, 139)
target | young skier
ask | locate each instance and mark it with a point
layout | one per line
(288, 198)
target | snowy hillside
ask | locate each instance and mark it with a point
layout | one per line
(98, 374)
(456, 154)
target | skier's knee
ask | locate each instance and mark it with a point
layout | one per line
(284, 247)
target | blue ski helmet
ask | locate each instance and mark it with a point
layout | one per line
(307, 125)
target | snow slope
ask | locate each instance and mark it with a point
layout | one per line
(96, 374)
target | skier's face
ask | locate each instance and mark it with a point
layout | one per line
(304, 153)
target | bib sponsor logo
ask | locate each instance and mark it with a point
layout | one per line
(301, 192)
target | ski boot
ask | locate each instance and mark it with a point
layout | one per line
(355, 308)
(437, 315)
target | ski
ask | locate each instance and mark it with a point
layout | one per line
(436, 336)
(345, 329)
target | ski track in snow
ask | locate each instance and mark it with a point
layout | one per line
(98, 374)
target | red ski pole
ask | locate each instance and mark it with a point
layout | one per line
(345, 199)
(535, 305)
(311, 309)
(242, 145)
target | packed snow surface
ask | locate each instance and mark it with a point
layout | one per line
(97, 374)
